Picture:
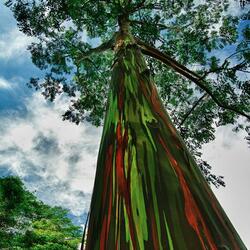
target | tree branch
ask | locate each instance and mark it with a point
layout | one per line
(237, 52)
(226, 63)
(137, 7)
(155, 53)
(160, 25)
(245, 71)
(103, 47)
(151, 6)
(192, 109)
(181, 69)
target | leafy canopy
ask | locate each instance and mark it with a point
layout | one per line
(27, 223)
(204, 81)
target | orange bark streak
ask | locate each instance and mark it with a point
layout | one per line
(216, 209)
(107, 176)
(120, 161)
(103, 234)
(154, 231)
(192, 211)
(123, 185)
(159, 109)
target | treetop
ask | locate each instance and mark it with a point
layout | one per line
(197, 51)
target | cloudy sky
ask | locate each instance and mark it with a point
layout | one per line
(56, 159)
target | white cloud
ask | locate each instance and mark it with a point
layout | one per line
(235, 9)
(13, 44)
(230, 157)
(11, 84)
(54, 157)
(4, 84)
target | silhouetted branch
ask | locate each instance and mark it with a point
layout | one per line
(137, 7)
(192, 109)
(160, 25)
(103, 47)
(181, 69)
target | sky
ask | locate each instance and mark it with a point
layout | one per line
(56, 159)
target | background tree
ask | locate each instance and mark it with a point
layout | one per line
(27, 223)
(142, 156)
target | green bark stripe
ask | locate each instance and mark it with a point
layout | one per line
(170, 243)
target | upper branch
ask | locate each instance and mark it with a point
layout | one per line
(181, 69)
(137, 6)
(103, 47)
(153, 52)
(192, 109)
(152, 6)
(225, 64)
(160, 25)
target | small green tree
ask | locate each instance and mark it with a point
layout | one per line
(149, 193)
(27, 223)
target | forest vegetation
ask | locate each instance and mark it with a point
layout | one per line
(28, 223)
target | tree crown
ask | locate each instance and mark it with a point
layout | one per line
(183, 41)
(28, 223)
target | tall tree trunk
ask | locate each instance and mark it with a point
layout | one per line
(148, 191)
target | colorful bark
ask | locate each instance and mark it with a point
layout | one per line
(148, 191)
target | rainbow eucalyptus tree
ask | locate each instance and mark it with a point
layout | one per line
(133, 66)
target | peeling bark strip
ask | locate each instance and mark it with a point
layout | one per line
(148, 192)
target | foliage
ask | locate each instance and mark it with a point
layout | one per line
(27, 223)
(195, 33)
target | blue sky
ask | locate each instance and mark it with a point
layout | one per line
(56, 159)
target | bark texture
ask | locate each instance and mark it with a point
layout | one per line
(148, 191)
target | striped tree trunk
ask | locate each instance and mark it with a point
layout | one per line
(148, 191)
